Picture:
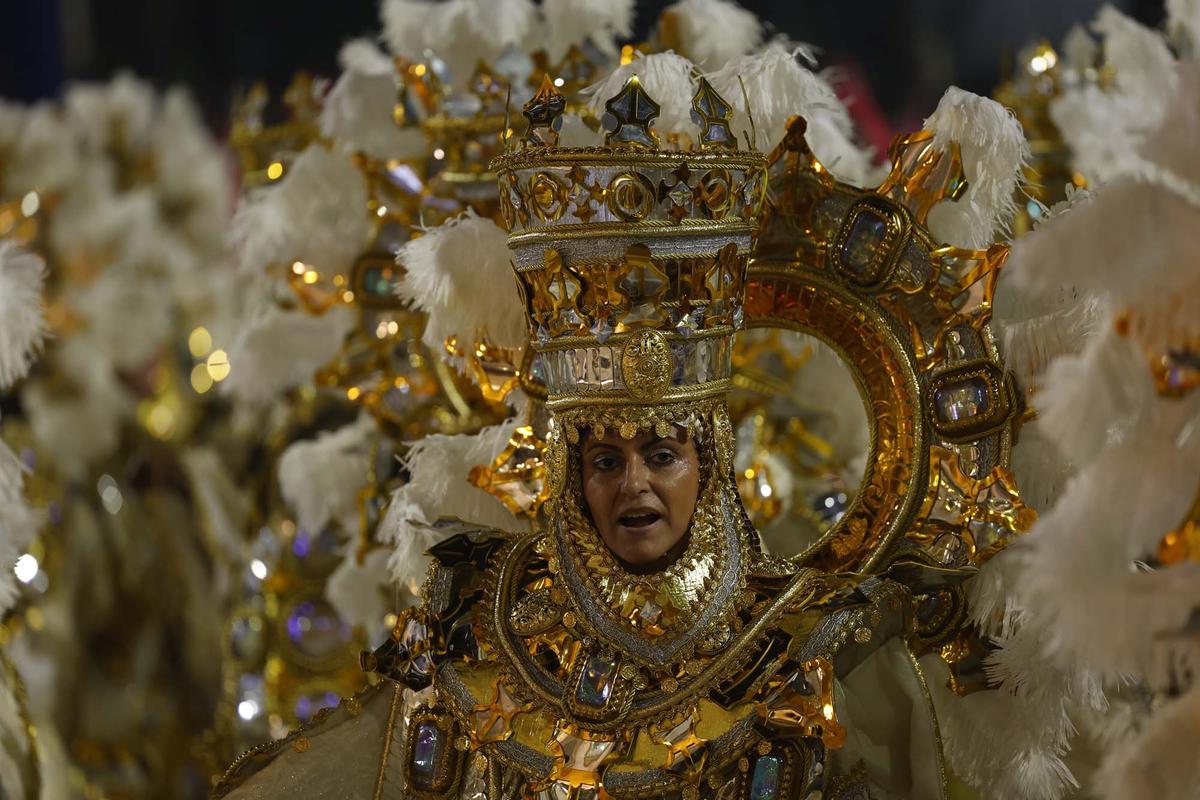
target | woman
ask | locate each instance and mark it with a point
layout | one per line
(640, 643)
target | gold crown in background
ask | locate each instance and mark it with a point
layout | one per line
(631, 258)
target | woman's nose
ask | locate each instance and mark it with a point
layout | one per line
(637, 476)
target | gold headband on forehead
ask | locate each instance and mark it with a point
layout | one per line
(631, 258)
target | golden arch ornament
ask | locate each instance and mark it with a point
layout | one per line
(859, 270)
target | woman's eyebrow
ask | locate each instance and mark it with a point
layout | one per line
(656, 442)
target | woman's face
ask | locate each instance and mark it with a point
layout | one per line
(641, 493)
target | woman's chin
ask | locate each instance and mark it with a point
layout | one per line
(640, 547)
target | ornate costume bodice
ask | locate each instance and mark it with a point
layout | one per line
(521, 683)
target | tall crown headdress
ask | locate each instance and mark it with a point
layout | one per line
(631, 256)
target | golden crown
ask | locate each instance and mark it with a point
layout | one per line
(631, 257)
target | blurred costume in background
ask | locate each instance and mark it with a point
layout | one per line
(127, 198)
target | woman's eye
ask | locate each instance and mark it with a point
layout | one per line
(604, 463)
(662, 458)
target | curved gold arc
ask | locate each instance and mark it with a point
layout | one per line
(884, 368)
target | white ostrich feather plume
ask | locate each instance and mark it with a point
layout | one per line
(40, 150)
(1080, 583)
(713, 32)
(119, 114)
(1150, 275)
(99, 226)
(357, 112)
(18, 522)
(280, 350)
(1100, 128)
(666, 77)
(122, 339)
(192, 179)
(459, 273)
(366, 58)
(320, 478)
(576, 133)
(1009, 743)
(994, 151)
(570, 22)
(1079, 50)
(1105, 127)
(406, 25)
(1142, 59)
(1183, 26)
(79, 428)
(439, 488)
(459, 32)
(1159, 760)
(1036, 328)
(359, 590)
(22, 322)
(1094, 397)
(315, 214)
(778, 87)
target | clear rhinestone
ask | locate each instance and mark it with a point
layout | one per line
(601, 330)
(864, 244)
(962, 400)
(681, 194)
(688, 324)
(650, 612)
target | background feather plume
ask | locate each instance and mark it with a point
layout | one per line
(439, 488)
(313, 214)
(357, 112)
(712, 32)
(993, 150)
(571, 22)
(22, 323)
(459, 273)
(280, 350)
(779, 86)
(320, 478)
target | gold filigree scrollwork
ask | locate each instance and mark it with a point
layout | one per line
(647, 365)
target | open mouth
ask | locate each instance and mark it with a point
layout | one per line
(639, 519)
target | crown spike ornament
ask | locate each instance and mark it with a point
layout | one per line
(544, 112)
(630, 116)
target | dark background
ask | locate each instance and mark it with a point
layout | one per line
(905, 51)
